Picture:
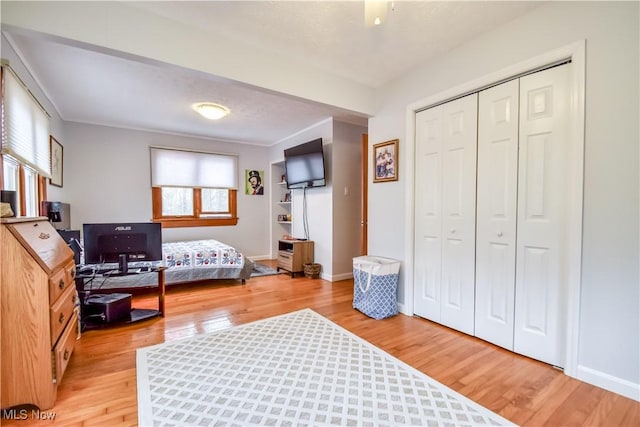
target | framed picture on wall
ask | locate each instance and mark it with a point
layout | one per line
(385, 161)
(253, 181)
(56, 159)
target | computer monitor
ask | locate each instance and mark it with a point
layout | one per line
(122, 243)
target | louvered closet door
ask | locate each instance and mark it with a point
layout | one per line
(496, 213)
(445, 213)
(542, 191)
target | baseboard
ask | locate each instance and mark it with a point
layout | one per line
(338, 277)
(260, 258)
(403, 309)
(609, 382)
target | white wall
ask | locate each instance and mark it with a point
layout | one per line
(609, 337)
(107, 179)
(333, 217)
(319, 203)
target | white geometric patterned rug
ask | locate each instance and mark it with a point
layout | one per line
(295, 369)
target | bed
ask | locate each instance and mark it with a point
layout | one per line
(185, 262)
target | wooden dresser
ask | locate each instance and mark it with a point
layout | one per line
(38, 322)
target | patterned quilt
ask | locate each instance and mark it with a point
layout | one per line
(188, 261)
(201, 253)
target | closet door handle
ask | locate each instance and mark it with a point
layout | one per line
(499, 233)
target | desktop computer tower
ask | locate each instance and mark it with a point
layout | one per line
(107, 308)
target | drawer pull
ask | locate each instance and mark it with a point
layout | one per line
(73, 273)
(61, 318)
(66, 354)
(61, 284)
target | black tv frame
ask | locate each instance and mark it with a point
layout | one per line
(305, 166)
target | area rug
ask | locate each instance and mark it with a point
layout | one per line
(262, 270)
(297, 369)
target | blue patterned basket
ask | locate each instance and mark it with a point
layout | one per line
(375, 286)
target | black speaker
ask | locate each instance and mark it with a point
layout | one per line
(72, 237)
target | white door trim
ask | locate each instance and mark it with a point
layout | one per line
(576, 52)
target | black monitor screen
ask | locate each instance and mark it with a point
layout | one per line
(304, 165)
(140, 241)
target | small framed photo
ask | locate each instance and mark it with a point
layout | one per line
(385, 161)
(56, 159)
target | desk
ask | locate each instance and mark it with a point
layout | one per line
(136, 314)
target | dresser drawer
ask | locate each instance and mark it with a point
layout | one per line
(63, 350)
(61, 311)
(61, 280)
(285, 260)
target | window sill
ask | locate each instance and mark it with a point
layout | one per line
(195, 222)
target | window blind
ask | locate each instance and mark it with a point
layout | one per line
(25, 125)
(179, 168)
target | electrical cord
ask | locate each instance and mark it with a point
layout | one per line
(305, 223)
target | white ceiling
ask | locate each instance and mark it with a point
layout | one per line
(94, 86)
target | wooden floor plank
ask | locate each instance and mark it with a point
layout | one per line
(99, 387)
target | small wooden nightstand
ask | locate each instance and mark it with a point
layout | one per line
(294, 254)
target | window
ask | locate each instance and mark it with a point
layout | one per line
(192, 189)
(25, 125)
(25, 144)
(214, 201)
(30, 187)
(10, 173)
(30, 190)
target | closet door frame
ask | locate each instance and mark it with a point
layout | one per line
(574, 52)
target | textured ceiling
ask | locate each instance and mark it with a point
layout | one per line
(90, 86)
(331, 35)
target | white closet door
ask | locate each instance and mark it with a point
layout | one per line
(459, 213)
(428, 213)
(542, 188)
(445, 213)
(496, 213)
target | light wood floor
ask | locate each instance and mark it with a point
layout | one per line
(99, 387)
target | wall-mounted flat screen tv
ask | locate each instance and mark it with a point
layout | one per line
(304, 165)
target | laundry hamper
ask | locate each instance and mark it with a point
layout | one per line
(375, 285)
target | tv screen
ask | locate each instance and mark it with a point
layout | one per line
(141, 241)
(304, 165)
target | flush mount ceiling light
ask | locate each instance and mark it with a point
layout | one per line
(210, 110)
(375, 11)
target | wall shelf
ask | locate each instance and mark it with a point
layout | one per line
(282, 206)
